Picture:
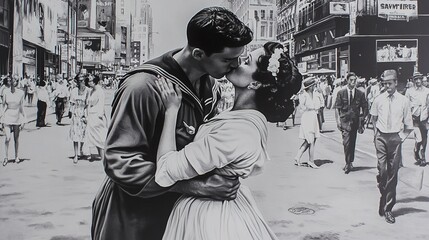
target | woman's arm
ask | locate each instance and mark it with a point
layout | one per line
(172, 98)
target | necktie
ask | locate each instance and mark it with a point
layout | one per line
(389, 113)
(351, 97)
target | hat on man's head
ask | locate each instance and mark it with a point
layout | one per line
(308, 82)
(389, 75)
(417, 75)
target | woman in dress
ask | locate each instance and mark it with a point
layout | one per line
(5, 84)
(309, 129)
(78, 104)
(231, 144)
(96, 117)
(13, 116)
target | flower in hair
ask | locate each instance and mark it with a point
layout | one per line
(274, 63)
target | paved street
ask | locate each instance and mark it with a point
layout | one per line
(47, 197)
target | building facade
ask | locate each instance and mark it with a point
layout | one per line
(363, 36)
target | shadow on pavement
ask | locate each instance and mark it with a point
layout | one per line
(320, 162)
(416, 199)
(356, 169)
(403, 211)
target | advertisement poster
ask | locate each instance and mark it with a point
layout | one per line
(397, 50)
(339, 8)
(104, 18)
(84, 7)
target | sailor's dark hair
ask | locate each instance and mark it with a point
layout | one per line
(214, 28)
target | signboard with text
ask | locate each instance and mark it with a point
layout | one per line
(397, 10)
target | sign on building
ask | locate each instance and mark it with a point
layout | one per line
(397, 50)
(339, 8)
(397, 10)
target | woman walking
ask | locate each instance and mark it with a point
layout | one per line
(309, 129)
(13, 116)
(78, 105)
(97, 121)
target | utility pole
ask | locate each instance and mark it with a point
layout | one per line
(11, 29)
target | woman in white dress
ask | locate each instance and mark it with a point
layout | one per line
(231, 144)
(13, 116)
(96, 130)
(309, 129)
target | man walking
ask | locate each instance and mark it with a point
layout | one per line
(60, 95)
(352, 109)
(419, 97)
(392, 122)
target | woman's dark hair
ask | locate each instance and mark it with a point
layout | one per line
(94, 78)
(273, 97)
(214, 28)
(42, 83)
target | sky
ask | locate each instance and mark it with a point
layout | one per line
(170, 18)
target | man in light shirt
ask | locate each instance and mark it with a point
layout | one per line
(61, 94)
(392, 121)
(419, 100)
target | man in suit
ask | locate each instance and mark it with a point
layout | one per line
(352, 109)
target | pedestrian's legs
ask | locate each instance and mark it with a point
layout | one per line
(39, 114)
(347, 145)
(393, 160)
(16, 130)
(76, 149)
(8, 135)
(311, 154)
(81, 149)
(43, 114)
(58, 110)
(352, 147)
(381, 152)
(301, 151)
(424, 134)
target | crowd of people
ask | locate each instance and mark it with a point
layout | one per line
(357, 103)
(81, 99)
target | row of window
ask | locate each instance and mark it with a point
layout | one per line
(263, 14)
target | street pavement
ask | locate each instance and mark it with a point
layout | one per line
(47, 197)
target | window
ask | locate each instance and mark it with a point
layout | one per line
(262, 14)
(271, 14)
(271, 30)
(256, 15)
(263, 29)
(4, 13)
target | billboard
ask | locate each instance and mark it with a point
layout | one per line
(339, 8)
(104, 17)
(397, 10)
(397, 50)
(84, 7)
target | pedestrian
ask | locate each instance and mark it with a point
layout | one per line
(42, 104)
(60, 94)
(320, 112)
(351, 112)
(130, 204)
(391, 117)
(419, 101)
(78, 109)
(13, 116)
(31, 89)
(243, 130)
(96, 129)
(425, 81)
(309, 130)
(5, 84)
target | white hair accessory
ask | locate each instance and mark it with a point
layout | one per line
(273, 62)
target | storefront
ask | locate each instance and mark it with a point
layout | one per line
(29, 65)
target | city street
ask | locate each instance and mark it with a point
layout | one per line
(47, 197)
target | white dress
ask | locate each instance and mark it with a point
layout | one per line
(12, 115)
(309, 129)
(232, 144)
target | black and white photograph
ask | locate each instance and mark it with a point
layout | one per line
(214, 119)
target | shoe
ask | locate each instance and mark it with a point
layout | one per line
(416, 155)
(17, 160)
(312, 165)
(348, 168)
(389, 217)
(5, 161)
(423, 163)
(75, 159)
(297, 163)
